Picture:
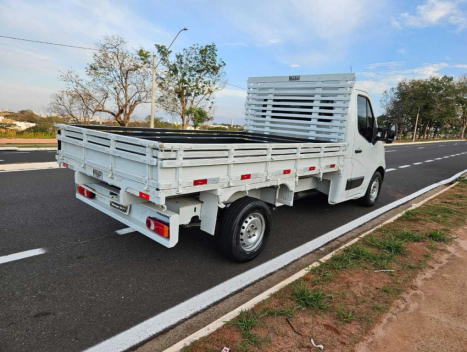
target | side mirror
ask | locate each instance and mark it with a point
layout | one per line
(391, 132)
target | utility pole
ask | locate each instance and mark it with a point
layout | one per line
(153, 93)
(416, 123)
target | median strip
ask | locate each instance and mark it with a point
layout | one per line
(338, 301)
(28, 166)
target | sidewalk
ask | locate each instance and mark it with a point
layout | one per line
(433, 315)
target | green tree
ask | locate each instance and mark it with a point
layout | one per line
(198, 116)
(460, 96)
(190, 80)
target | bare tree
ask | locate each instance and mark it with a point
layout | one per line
(116, 82)
(190, 81)
(76, 108)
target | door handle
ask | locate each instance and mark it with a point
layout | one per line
(358, 151)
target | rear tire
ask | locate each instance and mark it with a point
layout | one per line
(372, 193)
(244, 229)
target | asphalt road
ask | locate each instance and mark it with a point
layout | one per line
(39, 156)
(93, 284)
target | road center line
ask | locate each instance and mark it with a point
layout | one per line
(22, 255)
(445, 157)
(403, 166)
(439, 159)
(389, 170)
(125, 231)
(421, 148)
(390, 151)
(428, 161)
(420, 162)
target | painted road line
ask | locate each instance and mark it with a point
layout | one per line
(421, 148)
(441, 145)
(389, 170)
(445, 157)
(439, 159)
(390, 151)
(403, 166)
(428, 161)
(419, 163)
(16, 153)
(125, 231)
(2, 160)
(152, 326)
(261, 297)
(456, 144)
(22, 255)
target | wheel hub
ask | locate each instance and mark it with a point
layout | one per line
(374, 190)
(252, 231)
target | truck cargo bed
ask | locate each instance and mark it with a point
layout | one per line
(163, 163)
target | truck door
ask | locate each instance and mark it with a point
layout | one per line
(365, 151)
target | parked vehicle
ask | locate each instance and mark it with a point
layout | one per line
(302, 133)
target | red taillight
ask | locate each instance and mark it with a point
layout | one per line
(201, 182)
(157, 227)
(144, 195)
(245, 177)
(65, 165)
(84, 192)
(286, 172)
(332, 166)
(312, 168)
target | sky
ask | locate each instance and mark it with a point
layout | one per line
(382, 41)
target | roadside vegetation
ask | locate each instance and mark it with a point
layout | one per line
(342, 299)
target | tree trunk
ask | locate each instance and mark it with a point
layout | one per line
(463, 131)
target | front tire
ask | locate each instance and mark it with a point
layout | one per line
(244, 229)
(372, 193)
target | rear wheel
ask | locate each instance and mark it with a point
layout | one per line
(372, 193)
(244, 229)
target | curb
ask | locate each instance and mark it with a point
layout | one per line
(29, 166)
(250, 304)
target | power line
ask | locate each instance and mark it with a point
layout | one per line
(79, 47)
(37, 41)
(233, 85)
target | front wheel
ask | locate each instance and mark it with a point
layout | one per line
(244, 229)
(372, 193)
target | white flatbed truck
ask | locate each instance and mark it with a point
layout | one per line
(302, 133)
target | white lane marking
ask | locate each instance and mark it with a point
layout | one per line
(2, 160)
(453, 155)
(28, 166)
(441, 145)
(22, 255)
(389, 170)
(445, 157)
(421, 148)
(172, 316)
(439, 159)
(403, 166)
(125, 231)
(457, 154)
(421, 162)
(456, 144)
(428, 161)
(390, 151)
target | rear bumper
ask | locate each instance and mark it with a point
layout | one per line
(136, 218)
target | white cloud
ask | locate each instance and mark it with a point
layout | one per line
(401, 51)
(295, 66)
(373, 87)
(389, 64)
(231, 93)
(432, 13)
(464, 67)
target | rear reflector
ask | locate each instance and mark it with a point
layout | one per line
(332, 166)
(312, 168)
(65, 165)
(286, 172)
(84, 192)
(201, 182)
(245, 177)
(157, 227)
(144, 195)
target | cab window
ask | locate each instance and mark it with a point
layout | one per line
(366, 119)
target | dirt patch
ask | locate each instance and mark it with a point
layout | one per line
(339, 303)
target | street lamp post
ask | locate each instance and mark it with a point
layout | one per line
(153, 92)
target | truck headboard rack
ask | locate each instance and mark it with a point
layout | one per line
(310, 106)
